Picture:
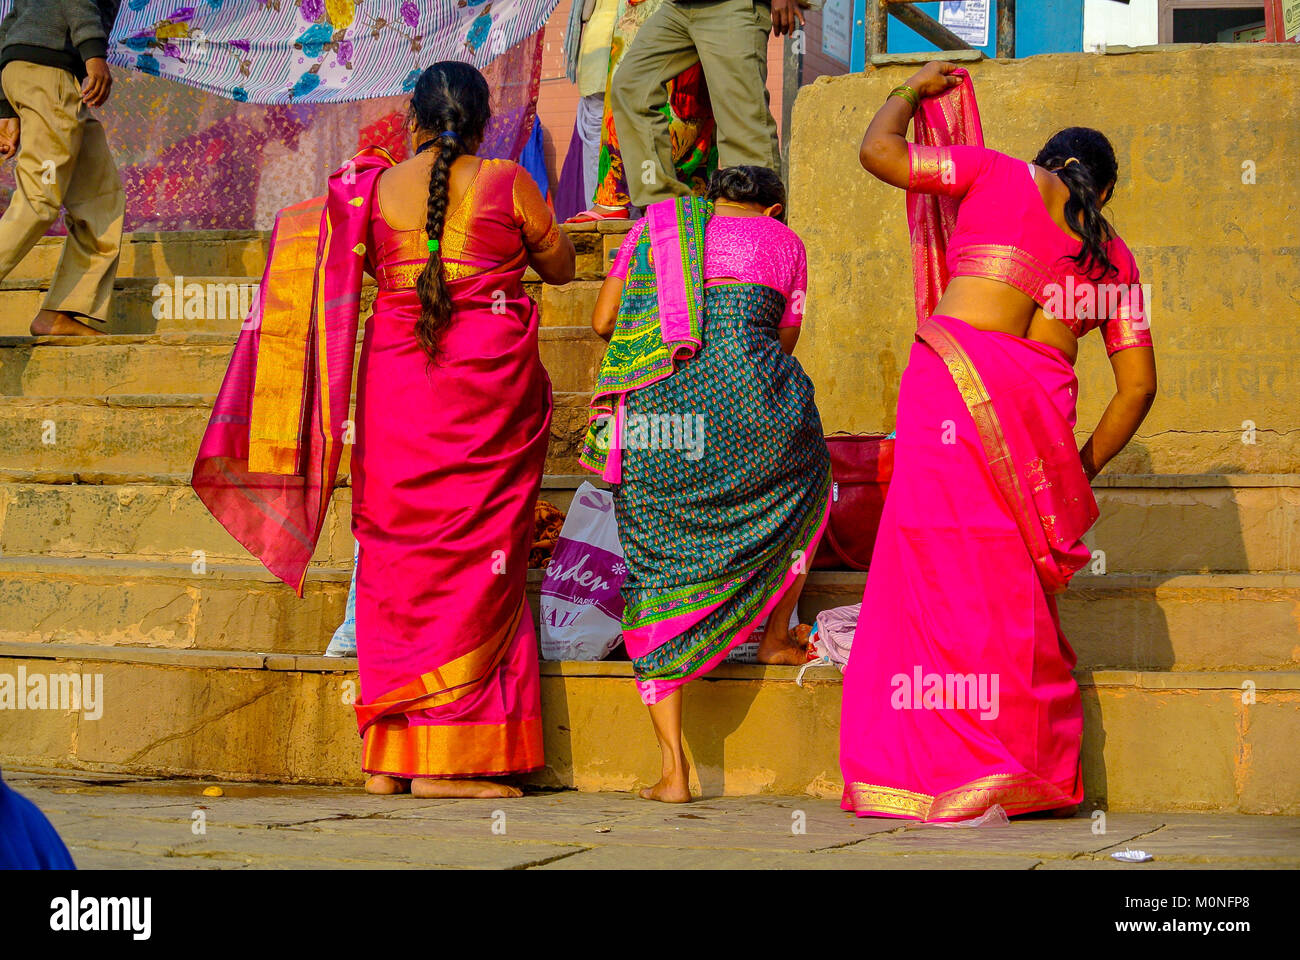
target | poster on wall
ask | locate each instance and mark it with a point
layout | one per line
(837, 29)
(1291, 19)
(968, 19)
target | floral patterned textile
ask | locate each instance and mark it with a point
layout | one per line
(190, 160)
(313, 51)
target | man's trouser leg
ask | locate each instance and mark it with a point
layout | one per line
(731, 38)
(638, 93)
(63, 160)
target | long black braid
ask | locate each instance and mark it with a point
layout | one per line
(451, 99)
(1085, 161)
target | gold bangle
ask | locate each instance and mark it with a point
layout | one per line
(907, 93)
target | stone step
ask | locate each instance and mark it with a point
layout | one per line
(214, 303)
(570, 305)
(1152, 741)
(1159, 621)
(1243, 524)
(1181, 623)
(130, 438)
(220, 304)
(162, 364)
(167, 522)
(189, 254)
(1197, 523)
(243, 253)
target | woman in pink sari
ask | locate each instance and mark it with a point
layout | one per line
(958, 693)
(452, 422)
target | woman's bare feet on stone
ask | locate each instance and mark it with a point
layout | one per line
(674, 784)
(56, 323)
(671, 788)
(791, 649)
(384, 785)
(437, 789)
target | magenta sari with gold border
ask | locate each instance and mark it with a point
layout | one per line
(446, 469)
(959, 692)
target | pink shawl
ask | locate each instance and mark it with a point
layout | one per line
(950, 118)
(269, 459)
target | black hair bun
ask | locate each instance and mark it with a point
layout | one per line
(747, 184)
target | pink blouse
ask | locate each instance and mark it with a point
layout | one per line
(748, 249)
(1004, 232)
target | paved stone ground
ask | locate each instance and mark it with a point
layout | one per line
(110, 822)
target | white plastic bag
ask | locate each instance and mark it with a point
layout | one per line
(581, 607)
(994, 816)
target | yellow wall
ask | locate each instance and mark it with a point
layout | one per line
(1221, 254)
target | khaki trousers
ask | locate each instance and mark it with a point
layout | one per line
(63, 161)
(728, 38)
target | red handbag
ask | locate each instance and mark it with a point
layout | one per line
(861, 466)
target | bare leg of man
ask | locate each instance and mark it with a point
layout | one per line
(674, 785)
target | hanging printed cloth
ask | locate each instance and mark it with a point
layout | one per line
(193, 160)
(313, 51)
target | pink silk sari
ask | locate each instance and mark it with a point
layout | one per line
(958, 693)
(269, 459)
(446, 473)
(446, 469)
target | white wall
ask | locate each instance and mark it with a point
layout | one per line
(1134, 24)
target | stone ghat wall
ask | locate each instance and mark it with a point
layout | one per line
(1190, 125)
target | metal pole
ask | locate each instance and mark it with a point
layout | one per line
(791, 78)
(1006, 28)
(926, 26)
(877, 27)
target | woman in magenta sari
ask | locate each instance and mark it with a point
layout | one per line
(452, 421)
(958, 693)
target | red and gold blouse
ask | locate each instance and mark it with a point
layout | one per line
(501, 218)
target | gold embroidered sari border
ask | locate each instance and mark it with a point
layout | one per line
(1014, 792)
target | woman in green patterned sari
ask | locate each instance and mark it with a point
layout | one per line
(706, 425)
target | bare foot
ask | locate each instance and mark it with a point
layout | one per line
(673, 787)
(56, 323)
(385, 785)
(791, 649)
(431, 789)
